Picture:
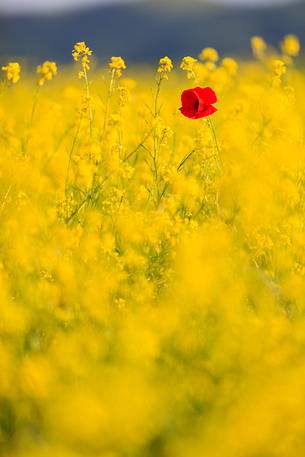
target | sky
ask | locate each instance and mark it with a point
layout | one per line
(13, 6)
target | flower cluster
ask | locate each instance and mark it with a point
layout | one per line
(12, 71)
(188, 64)
(290, 45)
(209, 54)
(46, 71)
(230, 65)
(117, 64)
(279, 68)
(259, 46)
(81, 53)
(165, 66)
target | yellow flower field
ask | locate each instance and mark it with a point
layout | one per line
(152, 267)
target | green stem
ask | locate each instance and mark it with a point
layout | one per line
(71, 154)
(130, 154)
(185, 159)
(155, 139)
(30, 124)
(219, 160)
(109, 95)
(34, 104)
(157, 96)
(89, 102)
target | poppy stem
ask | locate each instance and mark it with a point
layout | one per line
(211, 125)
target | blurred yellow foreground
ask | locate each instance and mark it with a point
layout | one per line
(152, 267)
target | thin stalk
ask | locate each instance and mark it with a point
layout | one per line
(89, 102)
(109, 95)
(157, 96)
(87, 198)
(30, 124)
(185, 159)
(130, 154)
(71, 154)
(155, 140)
(5, 197)
(34, 104)
(58, 144)
(219, 160)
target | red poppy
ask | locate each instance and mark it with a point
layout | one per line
(198, 102)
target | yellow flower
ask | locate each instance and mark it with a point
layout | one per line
(279, 68)
(230, 65)
(258, 45)
(117, 64)
(290, 45)
(210, 66)
(209, 54)
(12, 70)
(46, 71)
(80, 49)
(165, 66)
(188, 64)
(81, 52)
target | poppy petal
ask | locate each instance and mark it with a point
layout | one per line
(206, 95)
(187, 112)
(207, 111)
(190, 100)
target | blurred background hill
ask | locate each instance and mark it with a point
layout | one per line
(143, 31)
